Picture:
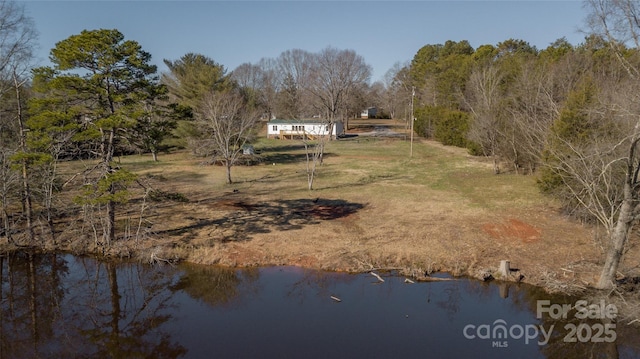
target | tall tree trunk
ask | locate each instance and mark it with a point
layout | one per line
(619, 238)
(111, 204)
(111, 220)
(49, 179)
(624, 223)
(6, 224)
(228, 166)
(311, 166)
(496, 166)
(27, 200)
(26, 190)
(4, 194)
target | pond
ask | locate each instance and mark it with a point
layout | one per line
(56, 306)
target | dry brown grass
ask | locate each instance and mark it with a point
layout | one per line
(373, 207)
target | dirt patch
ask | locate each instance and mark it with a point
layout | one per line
(513, 230)
(232, 204)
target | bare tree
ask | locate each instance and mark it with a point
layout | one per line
(227, 124)
(17, 40)
(24, 163)
(362, 96)
(397, 93)
(536, 97)
(259, 84)
(10, 191)
(325, 85)
(247, 75)
(335, 74)
(289, 98)
(484, 97)
(618, 208)
(293, 77)
(269, 85)
(599, 168)
(532, 108)
(314, 153)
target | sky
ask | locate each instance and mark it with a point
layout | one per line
(235, 32)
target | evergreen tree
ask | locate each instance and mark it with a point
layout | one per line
(102, 83)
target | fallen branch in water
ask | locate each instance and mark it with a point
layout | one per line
(377, 276)
(336, 299)
(155, 259)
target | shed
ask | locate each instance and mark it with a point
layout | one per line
(248, 150)
(370, 112)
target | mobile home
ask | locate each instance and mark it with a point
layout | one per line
(306, 129)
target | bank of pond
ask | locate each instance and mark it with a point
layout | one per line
(63, 306)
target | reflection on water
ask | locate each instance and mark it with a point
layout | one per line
(217, 285)
(55, 306)
(59, 306)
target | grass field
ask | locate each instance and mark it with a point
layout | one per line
(372, 207)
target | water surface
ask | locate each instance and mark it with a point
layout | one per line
(55, 306)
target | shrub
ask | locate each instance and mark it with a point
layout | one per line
(445, 125)
(452, 128)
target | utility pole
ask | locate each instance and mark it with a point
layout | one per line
(413, 94)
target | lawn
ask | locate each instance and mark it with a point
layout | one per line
(372, 206)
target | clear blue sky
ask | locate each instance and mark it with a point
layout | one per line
(235, 32)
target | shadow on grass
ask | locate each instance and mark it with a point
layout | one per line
(185, 176)
(286, 158)
(347, 136)
(285, 148)
(283, 158)
(243, 219)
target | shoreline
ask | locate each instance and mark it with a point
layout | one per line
(372, 207)
(628, 305)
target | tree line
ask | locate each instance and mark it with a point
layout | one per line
(568, 114)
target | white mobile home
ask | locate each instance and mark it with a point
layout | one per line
(290, 129)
